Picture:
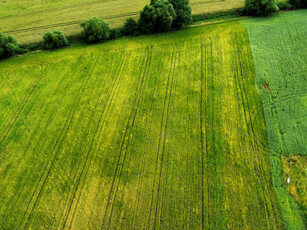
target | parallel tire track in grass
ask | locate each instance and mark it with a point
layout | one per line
(50, 163)
(149, 132)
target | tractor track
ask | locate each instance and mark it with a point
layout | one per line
(58, 143)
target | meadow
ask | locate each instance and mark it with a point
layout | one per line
(29, 20)
(164, 131)
(279, 49)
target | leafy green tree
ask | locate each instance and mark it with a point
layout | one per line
(8, 46)
(298, 3)
(54, 40)
(95, 29)
(131, 27)
(260, 7)
(183, 12)
(115, 33)
(157, 17)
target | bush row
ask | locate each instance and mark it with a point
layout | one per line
(158, 16)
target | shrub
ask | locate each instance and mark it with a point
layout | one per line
(260, 7)
(183, 13)
(115, 33)
(157, 17)
(298, 3)
(8, 46)
(284, 6)
(94, 30)
(54, 40)
(131, 27)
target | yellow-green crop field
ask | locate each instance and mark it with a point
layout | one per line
(28, 20)
(163, 131)
(194, 129)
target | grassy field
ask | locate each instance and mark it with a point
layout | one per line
(279, 49)
(163, 131)
(296, 169)
(29, 20)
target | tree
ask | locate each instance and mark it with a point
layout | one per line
(54, 40)
(8, 46)
(157, 17)
(298, 3)
(183, 12)
(131, 27)
(95, 29)
(115, 33)
(260, 7)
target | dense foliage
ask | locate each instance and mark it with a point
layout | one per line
(8, 46)
(115, 33)
(298, 3)
(157, 17)
(131, 27)
(183, 12)
(54, 39)
(284, 6)
(260, 7)
(95, 29)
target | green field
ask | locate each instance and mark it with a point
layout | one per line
(29, 20)
(295, 167)
(279, 48)
(163, 131)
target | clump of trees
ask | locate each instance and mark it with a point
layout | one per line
(298, 3)
(183, 13)
(54, 40)
(157, 17)
(260, 7)
(94, 30)
(131, 27)
(8, 46)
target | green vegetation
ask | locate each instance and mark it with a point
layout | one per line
(298, 3)
(131, 27)
(94, 30)
(163, 131)
(279, 48)
(29, 20)
(54, 40)
(157, 17)
(260, 7)
(295, 168)
(183, 13)
(8, 46)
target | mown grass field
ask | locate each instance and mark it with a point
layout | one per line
(163, 131)
(279, 48)
(29, 20)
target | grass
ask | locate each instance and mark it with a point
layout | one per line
(279, 49)
(29, 20)
(295, 168)
(149, 132)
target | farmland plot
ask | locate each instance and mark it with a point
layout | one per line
(29, 20)
(151, 132)
(279, 48)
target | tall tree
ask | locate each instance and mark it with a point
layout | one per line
(157, 17)
(183, 12)
(260, 7)
(8, 46)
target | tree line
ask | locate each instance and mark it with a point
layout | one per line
(159, 16)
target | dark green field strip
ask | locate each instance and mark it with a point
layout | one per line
(151, 132)
(280, 54)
